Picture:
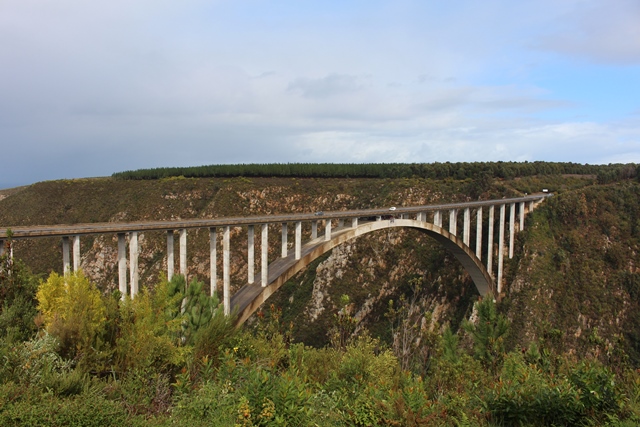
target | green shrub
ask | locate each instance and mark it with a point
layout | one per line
(525, 396)
(73, 311)
(84, 410)
(597, 388)
(212, 404)
(142, 391)
(149, 335)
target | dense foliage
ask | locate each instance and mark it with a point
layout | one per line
(463, 170)
(159, 360)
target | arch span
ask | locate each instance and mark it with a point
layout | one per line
(249, 298)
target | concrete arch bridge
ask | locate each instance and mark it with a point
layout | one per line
(328, 230)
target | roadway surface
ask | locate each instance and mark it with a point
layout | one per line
(60, 230)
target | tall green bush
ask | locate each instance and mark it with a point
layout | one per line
(73, 311)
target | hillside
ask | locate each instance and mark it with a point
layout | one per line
(574, 270)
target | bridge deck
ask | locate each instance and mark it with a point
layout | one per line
(23, 232)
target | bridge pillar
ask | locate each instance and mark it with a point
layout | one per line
(490, 241)
(1, 247)
(512, 227)
(213, 260)
(466, 230)
(122, 264)
(226, 273)
(327, 230)
(531, 206)
(479, 233)
(66, 263)
(264, 251)
(76, 252)
(171, 263)
(133, 263)
(521, 209)
(250, 253)
(354, 222)
(453, 221)
(314, 230)
(283, 252)
(379, 218)
(298, 246)
(501, 247)
(437, 219)
(183, 253)
(340, 223)
(422, 216)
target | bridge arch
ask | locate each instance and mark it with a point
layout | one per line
(250, 297)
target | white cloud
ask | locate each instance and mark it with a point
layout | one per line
(160, 83)
(599, 31)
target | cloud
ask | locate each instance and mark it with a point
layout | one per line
(598, 31)
(328, 86)
(89, 88)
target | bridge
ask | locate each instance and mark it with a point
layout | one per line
(328, 230)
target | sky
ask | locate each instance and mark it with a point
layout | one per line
(89, 88)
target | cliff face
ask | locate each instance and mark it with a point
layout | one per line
(576, 280)
(574, 277)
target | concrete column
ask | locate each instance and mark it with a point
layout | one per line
(327, 230)
(354, 222)
(521, 209)
(250, 253)
(531, 206)
(314, 230)
(122, 264)
(133, 263)
(453, 221)
(1, 247)
(284, 251)
(76, 252)
(466, 230)
(479, 233)
(512, 227)
(437, 219)
(213, 259)
(490, 241)
(171, 262)
(501, 247)
(379, 218)
(422, 216)
(226, 271)
(183, 253)
(264, 249)
(66, 261)
(298, 248)
(341, 223)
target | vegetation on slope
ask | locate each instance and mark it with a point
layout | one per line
(149, 363)
(579, 270)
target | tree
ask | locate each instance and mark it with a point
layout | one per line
(17, 299)
(413, 341)
(488, 333)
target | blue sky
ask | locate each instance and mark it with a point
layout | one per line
(92, 88)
